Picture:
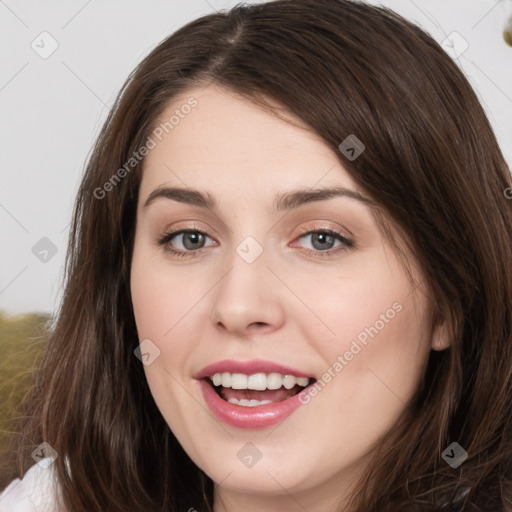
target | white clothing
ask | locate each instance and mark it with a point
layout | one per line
(36, 492)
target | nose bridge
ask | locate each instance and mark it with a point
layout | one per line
(245, 296)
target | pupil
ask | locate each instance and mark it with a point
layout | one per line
(322, 240)
(190, 240)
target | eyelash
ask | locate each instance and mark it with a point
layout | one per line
(346, 243)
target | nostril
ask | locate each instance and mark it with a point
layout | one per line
(259, 324)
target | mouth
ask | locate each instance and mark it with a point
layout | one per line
(256, 389)
(252, 394)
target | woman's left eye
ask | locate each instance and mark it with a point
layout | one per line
(324, 241)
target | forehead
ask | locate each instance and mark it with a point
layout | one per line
(227, 142)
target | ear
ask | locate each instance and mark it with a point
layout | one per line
(440, 339)
(441, 336)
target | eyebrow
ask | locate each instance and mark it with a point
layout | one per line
(282, 201)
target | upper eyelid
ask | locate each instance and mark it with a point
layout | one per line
(180, 231)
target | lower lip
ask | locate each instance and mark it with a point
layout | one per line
(261, 416)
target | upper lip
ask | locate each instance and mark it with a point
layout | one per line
(248, 368)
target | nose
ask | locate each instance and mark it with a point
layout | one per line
(248, 298)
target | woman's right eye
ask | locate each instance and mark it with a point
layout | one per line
(184, 241)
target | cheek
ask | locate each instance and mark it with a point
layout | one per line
(166, 308)
(372, 332)
(170, 310)
(165, 302)
(354, 304)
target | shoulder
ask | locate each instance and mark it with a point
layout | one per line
(35, 492)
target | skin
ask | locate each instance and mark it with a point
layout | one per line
(291, 305)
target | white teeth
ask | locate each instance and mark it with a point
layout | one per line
(226, 380)
(238, 381)
(257, 381)
(248, 403)
(289, 381)
(302, 381)
(274, 381)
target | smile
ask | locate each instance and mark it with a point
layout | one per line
(252, 394)
(257, 389)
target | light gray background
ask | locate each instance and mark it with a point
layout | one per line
(52, 109)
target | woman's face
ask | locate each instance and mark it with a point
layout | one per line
(270, 279)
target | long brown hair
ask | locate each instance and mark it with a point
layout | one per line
(431, 161)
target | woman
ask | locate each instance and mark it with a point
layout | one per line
(289, 280)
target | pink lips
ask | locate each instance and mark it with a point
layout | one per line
(239, 416)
